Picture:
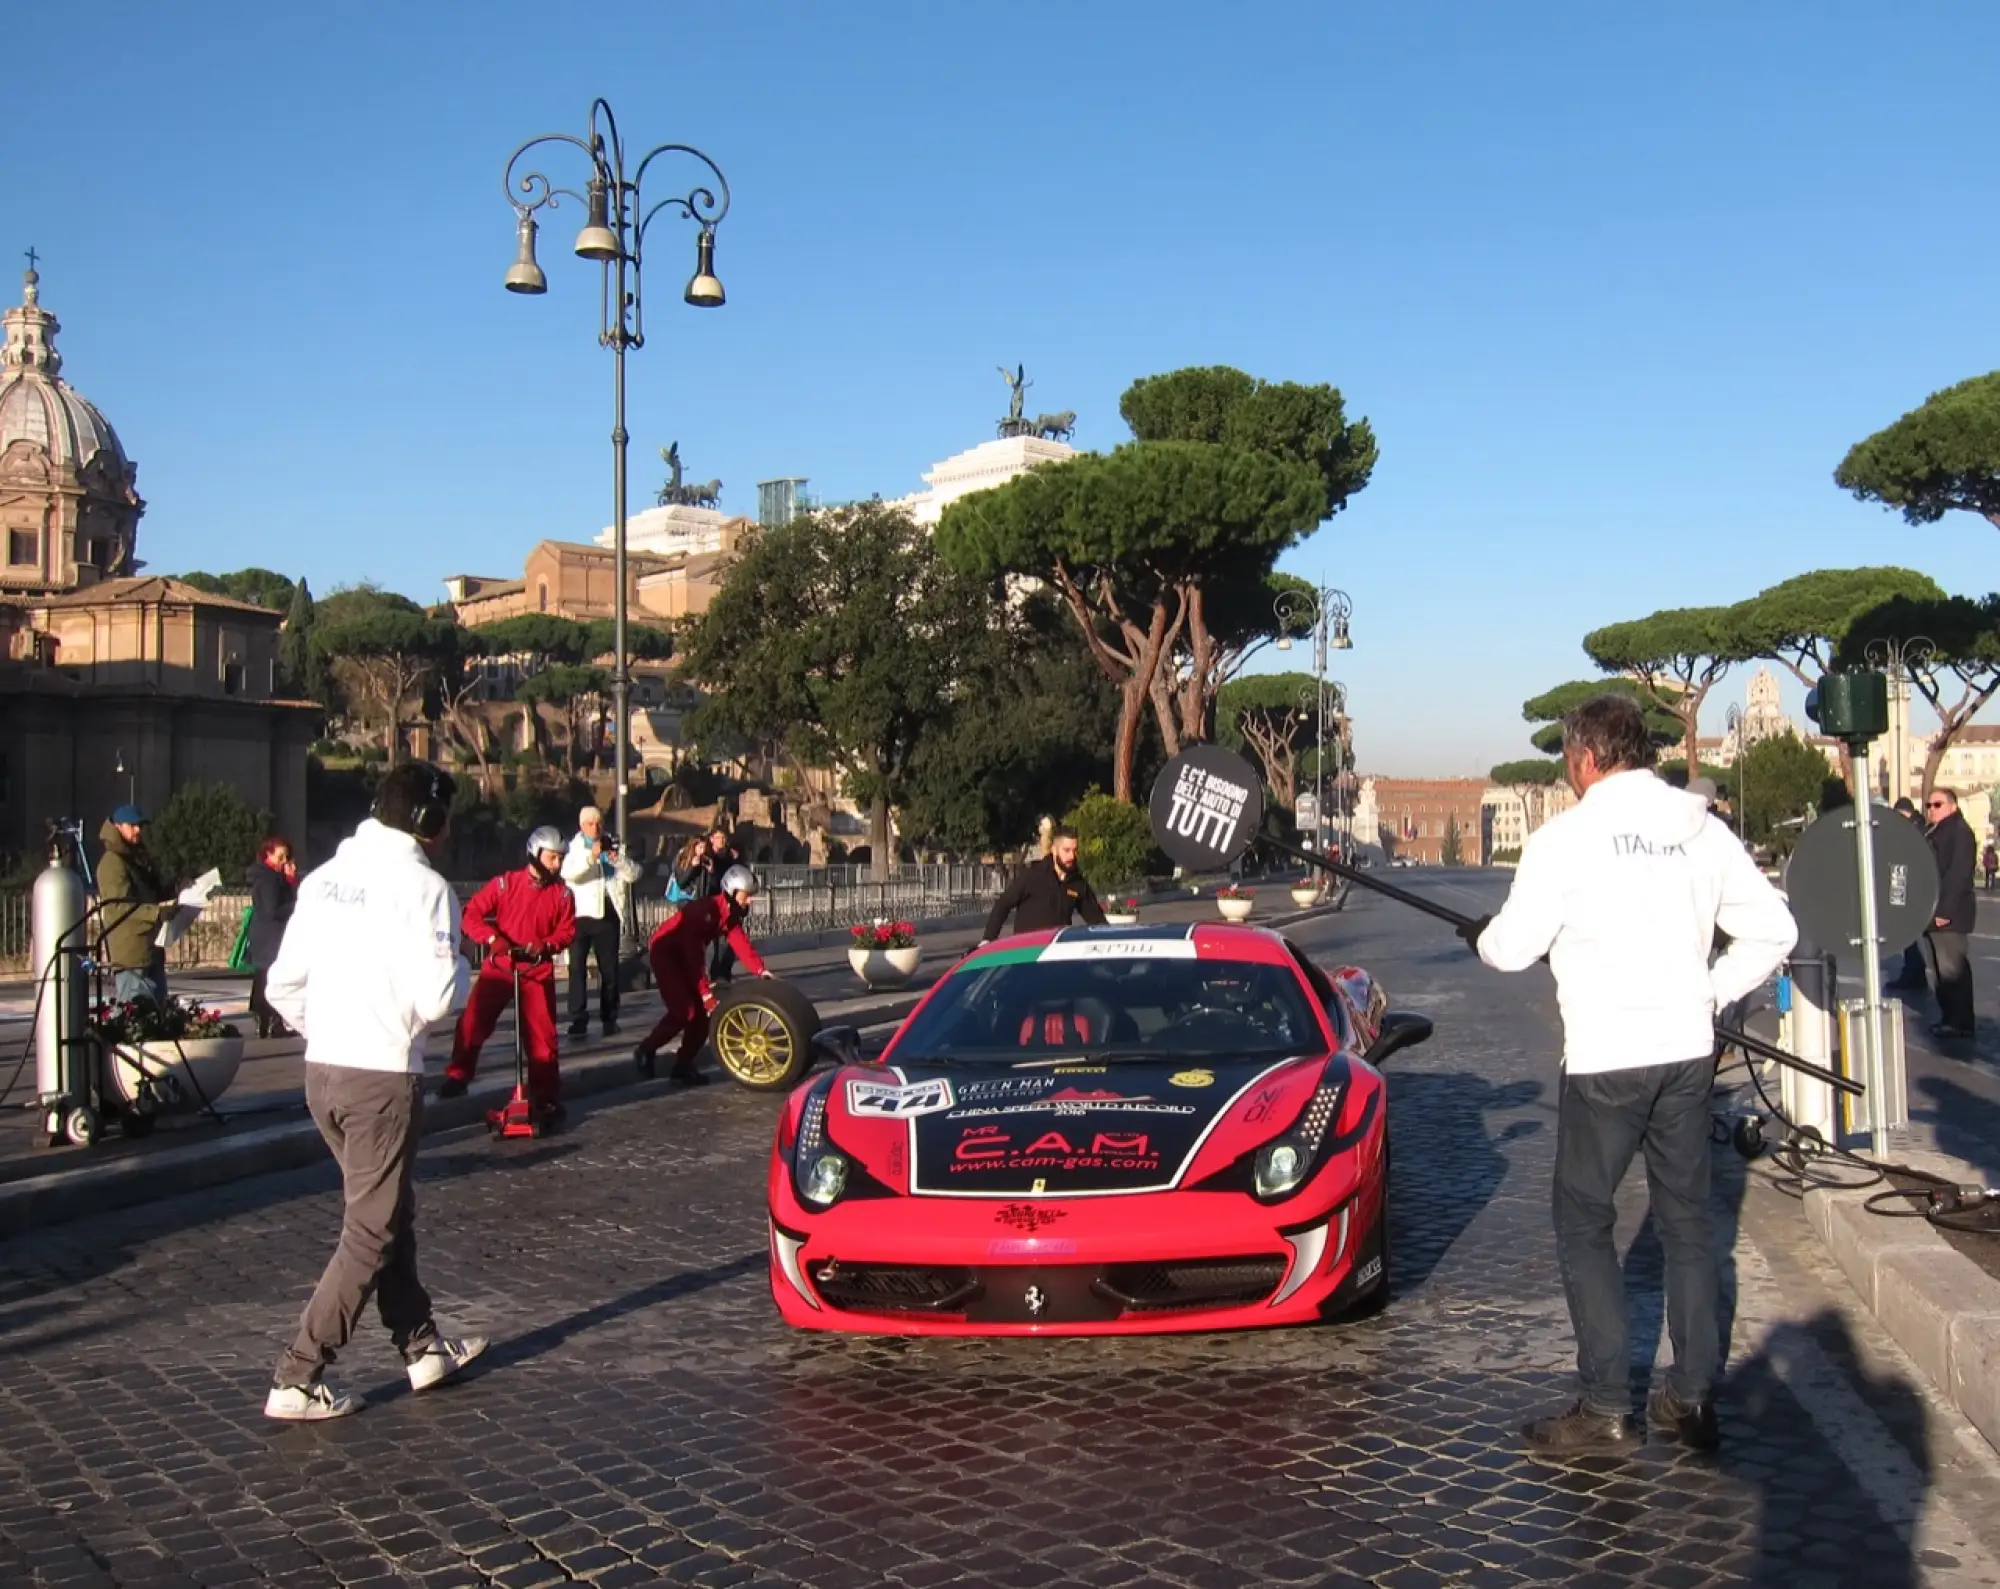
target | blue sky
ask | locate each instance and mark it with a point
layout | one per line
(1616, 285)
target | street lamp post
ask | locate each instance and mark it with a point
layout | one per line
(1732, 721)
(1899, 659)
(1324, 611)
(616, 217)
(131, 780)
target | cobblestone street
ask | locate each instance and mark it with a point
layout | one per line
(642, 1417)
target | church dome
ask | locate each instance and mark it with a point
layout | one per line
(39, 407)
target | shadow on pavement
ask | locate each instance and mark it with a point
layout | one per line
(1448, 1162)
(522, 1348)
(1967, 1125)
(41, 1263)
(1813, 1505)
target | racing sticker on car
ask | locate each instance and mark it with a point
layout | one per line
(1073, 1145)
(898, 1101)
(1121, 949)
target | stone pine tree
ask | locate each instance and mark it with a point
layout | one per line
(1941, 457)
(1675, 657)
(1163, 549)
(1955, 668)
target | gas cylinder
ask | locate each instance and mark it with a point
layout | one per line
(58, 923)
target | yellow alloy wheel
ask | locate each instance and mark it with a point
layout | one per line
(753, 1043)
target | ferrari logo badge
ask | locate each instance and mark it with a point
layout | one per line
(1037, 1300)
(1041, 1183)
(1193, 1078)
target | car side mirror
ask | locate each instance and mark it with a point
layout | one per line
(1400, 1029)
(841, 1044)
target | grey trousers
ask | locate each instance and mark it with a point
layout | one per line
(371, 1120)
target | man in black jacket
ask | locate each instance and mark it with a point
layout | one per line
(1048, 893)
(1957, 853)
(1913, 978)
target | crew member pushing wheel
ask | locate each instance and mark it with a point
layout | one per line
(679, 956)
(524, 920)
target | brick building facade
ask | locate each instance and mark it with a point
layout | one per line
(1413, 815)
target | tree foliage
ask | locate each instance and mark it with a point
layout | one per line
(1532, 772)
(206, 825)
(1777, 780)
(1552, 706)
(384, 656)
(1801, 622)
(1114, 840)
(1951, 651)
(1276, 716)
(576, 691)
(258, 586)
(842, 634)
(1164, 549)
(1452, 851)
(302, 670)
(1023, 738)
(1675, 657)
(1942, 456)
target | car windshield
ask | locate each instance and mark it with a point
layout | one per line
(1001, 1009)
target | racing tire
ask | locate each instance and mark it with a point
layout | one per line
(762, 1032)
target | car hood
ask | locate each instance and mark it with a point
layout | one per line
(1076, 1129)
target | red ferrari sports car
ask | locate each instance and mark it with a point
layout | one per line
(1100, 1130)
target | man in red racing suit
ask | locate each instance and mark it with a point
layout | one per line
(679, 956)
(524, 919)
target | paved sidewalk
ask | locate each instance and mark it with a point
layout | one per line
(1936, 1292)
(265, 1128)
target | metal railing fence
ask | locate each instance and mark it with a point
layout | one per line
(796, 899)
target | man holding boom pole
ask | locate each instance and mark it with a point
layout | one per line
(1623, 895)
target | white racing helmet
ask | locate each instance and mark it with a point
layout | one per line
(546, 837)
(739, 880)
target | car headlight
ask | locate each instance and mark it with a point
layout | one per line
(825, 1180)
(1281, 1166)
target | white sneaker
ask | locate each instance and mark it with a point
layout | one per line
(309, 1403)
(443, 1358)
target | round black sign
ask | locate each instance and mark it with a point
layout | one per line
(1207, 805)
(1823, 882)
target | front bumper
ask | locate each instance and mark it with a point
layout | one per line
(1105, 1266)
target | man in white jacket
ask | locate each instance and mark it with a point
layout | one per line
(1624, 894)
(600, 878)
(369, 960)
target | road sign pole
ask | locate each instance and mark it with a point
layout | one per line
(1870, 947)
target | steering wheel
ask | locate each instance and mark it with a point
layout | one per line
(1211, 1021)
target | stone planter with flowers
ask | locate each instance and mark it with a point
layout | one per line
(884, 954)
(1234, 901)
(160, 1061)
(1121, 912)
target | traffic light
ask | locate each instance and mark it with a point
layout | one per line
(1851, 706)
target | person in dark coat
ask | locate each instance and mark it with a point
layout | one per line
(723, 856)
(1048, 893)
(135, 900)
(274, 890)
(1957, 853)
(1915, 975)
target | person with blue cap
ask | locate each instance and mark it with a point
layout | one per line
(133, 902)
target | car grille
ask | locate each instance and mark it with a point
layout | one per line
(1062, 1293)
(895, 1288)
(1195, 1283)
